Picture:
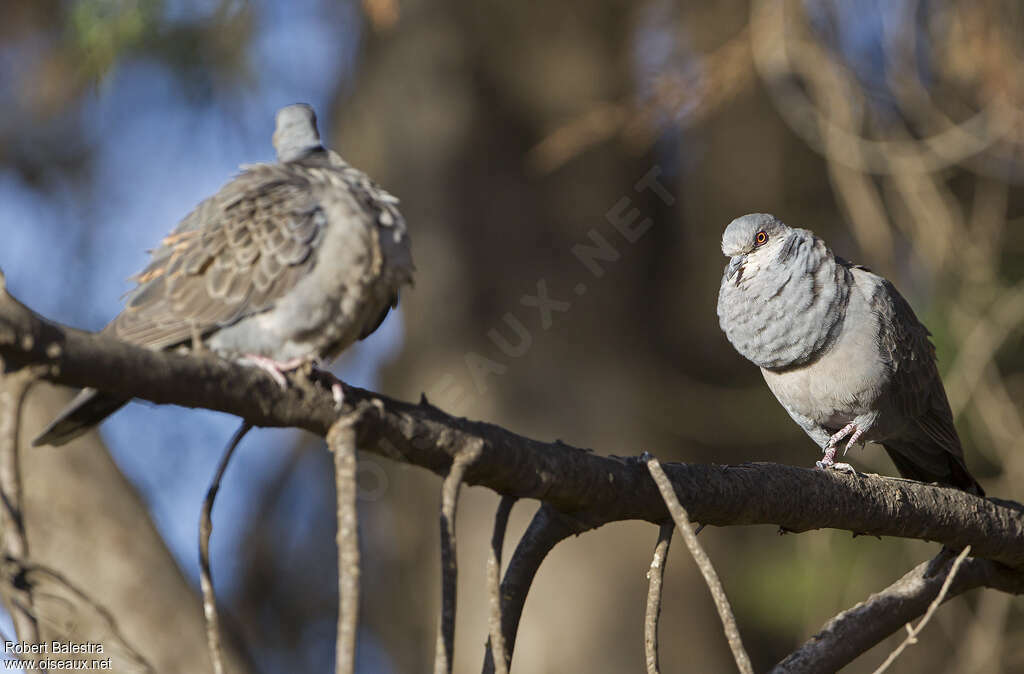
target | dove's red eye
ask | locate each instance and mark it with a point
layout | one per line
(761, 238)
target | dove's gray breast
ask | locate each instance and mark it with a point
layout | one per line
(850, 378)
(789, 311)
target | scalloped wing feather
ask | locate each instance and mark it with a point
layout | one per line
(233, 256)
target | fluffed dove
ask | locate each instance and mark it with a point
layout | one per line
(839, 347)
(288, 263)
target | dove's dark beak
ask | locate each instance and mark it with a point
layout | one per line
(735, 268)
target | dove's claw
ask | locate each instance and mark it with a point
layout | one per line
(829, 459)
(852, 430)
(829, 462)
(277, 369)
(272, 367)
(853, 439)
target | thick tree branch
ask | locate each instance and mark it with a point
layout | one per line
(854, 631)
(579, 489)
(912, 632)
(600, 489)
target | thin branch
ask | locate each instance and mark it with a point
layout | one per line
(495, 639)
(655, 575)
(205, 530)
(13, 390)
(912, 633)
(854, 631)
(444, 650)
(732, 633)
(341, 439)
(547, 528)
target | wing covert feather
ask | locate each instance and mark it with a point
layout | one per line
(233, 256)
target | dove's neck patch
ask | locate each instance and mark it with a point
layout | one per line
(791, 246)
(789, 307)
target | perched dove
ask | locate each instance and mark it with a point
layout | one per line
(288, 263)
(839, 347)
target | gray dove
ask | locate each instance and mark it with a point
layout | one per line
(289, 263)
(840, 348)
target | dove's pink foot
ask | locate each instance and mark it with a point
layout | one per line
(277, 369)
(831, 464)
(274, 368)
(857, 432)
(845, 431)
(829, 459)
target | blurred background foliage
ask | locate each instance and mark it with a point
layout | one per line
(512, 132)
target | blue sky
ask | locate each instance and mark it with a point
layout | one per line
(68, 252)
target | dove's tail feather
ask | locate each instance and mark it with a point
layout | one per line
(925, 460)
(89, 408)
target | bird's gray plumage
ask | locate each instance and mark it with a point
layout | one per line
(839, 347)
(290, 260)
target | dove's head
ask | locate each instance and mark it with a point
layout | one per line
(295, 134)
(751, 242)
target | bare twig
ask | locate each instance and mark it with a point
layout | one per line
(205, 529)
(496, 640)
(732, 634)
(655, 575)
(12, 522)
(444, 649)
(341, 439)
(854, 631)
(547, 528)
(939, 598)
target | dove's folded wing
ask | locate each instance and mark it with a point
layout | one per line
(236, 254)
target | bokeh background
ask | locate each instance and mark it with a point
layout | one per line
(514, 132)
